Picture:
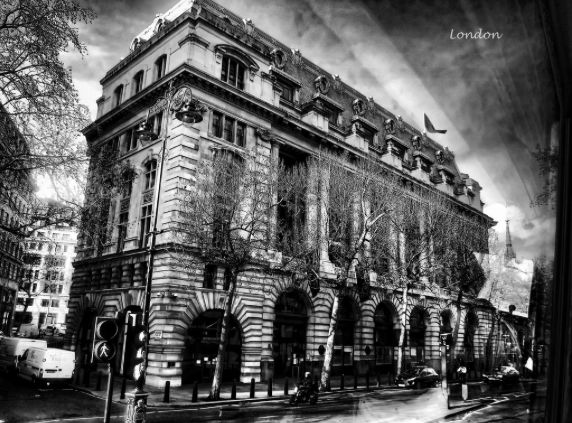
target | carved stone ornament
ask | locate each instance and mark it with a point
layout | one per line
(135, 44)
(338, 83)
(322, 84)
(248, 26)
(389, 126)
(439, 157)
(400, 124)
(265, 134)
(448, 154)
(279, 58)
(182, 96)
(358, 105)
(417, 143)
(296, 57)
(370, 103)
(159, 22)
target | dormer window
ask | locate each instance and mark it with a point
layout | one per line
(117, 95)
(233, 72)
(160, 67)
(138, 82)
(287, 91)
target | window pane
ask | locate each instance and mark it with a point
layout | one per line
(240, 130)
(240, 77)
(228, 124)
(217, 124)
(232, 73)
(224, 73)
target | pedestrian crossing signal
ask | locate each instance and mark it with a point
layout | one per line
(446, 339)
(135, 341)
(105, 339)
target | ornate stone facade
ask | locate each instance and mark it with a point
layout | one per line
(280, 328)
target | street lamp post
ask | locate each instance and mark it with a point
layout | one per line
(187, 111)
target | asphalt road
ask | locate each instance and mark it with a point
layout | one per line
(20, 402)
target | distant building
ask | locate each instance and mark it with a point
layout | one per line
(45, 286)
(16, 189)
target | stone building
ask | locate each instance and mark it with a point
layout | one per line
(260, 95)
(45, 287)
(16, 189)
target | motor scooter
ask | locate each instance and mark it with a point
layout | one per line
(303, 394)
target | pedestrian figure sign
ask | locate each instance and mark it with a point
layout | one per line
(104, 351)
(105, 339)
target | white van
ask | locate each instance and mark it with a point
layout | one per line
(11, 348)
(46, 366)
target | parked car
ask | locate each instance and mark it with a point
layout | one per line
(417, 377)
(11, 348)
(46, 366)
(506, 374)
(53, 329)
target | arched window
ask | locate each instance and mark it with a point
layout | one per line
(344, 338)
(233, 72)
(150, 174)
(138, 82)
(160, 67)
(417, 334)
(126, 183)
(117, 95)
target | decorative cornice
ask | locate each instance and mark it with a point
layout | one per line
(195, 39)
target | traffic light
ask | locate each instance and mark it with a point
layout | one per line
(105, 339)
(134, 347)
(446, 339)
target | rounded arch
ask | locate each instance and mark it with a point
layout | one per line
(446, 321)
(201, 347)
(386, 335)
(419, 321)
(235, 52)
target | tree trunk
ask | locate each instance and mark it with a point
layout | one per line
(456, 328)
(400, 345)
(215, 389)
(327, 368)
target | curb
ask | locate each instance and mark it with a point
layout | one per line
(201, 404)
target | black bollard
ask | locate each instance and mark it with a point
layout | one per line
(269, 386)
(233, 392)
(367, 380)
(78, 376)
(167, 391)
(195, 392)
(355, 380)
(286, 386)
(123, 388)
(98, 384)
(316, 383)
(342, 383)
(252, 388)
(378, 377)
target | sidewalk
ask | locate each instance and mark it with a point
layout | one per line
(181, 396)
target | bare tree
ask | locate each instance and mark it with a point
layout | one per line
(226, 218)
(346, 201)
(406, 255)
(40, 116)
(461, 258)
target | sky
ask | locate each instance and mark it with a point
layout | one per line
(495, 97)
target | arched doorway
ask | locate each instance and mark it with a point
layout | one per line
(199, 356)
(386, 338)
(343, 356)
(289, 335)
(471, 326)
(417, 329)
